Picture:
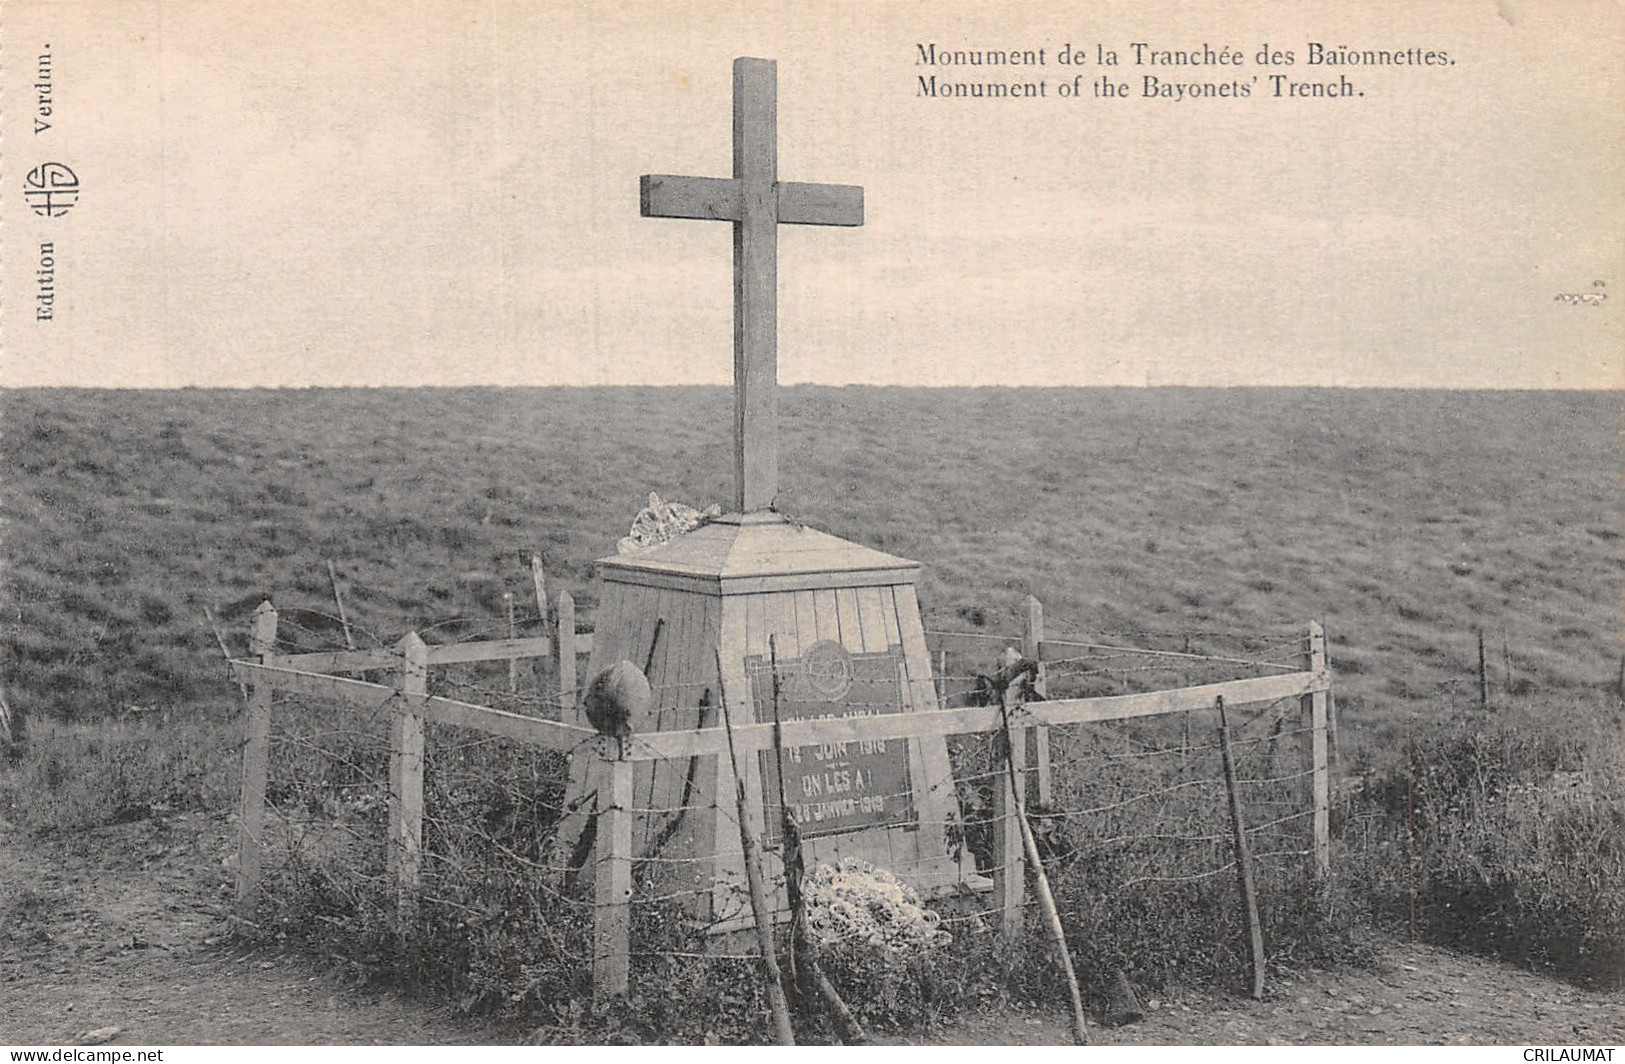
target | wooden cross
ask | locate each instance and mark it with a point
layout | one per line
(755, 201)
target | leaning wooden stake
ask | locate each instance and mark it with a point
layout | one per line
(9, 732)
(1244, 857)
(1080, 1029)
(654, 645)
(758, 893)
(564, 650)
(338, 599)
(790, 854)
(220, 641)
(1483, 675)
(805, 971)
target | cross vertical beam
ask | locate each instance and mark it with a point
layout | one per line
(756, 284)
(756, 202)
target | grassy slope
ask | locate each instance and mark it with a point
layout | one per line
(1404, 519)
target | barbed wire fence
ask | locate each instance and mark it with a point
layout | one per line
(1131, 819)
(494, 920)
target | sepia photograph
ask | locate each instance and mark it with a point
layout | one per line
(602, 523)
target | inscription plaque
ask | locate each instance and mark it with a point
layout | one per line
(844, 786)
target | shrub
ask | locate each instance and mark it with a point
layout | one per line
(1506, 837)
(1137, 846)
(493, 931)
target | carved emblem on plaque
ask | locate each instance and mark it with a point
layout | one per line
(827, 668)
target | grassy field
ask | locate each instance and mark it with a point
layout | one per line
(1405, 520)
(1213, 520)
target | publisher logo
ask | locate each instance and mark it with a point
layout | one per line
(51, 188)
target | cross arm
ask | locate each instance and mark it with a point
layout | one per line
(719, 199)
(709, 198)
(803, 204)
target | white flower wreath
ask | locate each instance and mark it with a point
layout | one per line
(854, 901)
(660, 522)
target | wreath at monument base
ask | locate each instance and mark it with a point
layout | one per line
(853, 901)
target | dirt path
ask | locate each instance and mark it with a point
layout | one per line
(123, 926)
(1419, 995)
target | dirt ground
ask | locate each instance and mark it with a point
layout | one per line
(1419, 995)
(123, 926)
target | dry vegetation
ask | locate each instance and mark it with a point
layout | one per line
(1405, 520)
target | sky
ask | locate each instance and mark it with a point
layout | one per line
(446, 193)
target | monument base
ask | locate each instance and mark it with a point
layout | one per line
(805, 625)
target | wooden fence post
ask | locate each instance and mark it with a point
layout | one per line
(513, 633)
(256, 760)
(544, 620)
(1506, 667)
(538, 579)
(1313, 709)
(1032, 634)
(1010, 877)
(612, 875)
(1334, 746)
(406, 778)
(564, 650)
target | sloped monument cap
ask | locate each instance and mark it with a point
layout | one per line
(762, 551)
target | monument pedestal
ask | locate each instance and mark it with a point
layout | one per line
(843, 624)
